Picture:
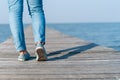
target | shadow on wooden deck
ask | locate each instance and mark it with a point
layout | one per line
(71, 51)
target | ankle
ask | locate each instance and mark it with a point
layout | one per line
(23, 52)
(40, 43)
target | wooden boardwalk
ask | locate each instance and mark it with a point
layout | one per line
(69, 58)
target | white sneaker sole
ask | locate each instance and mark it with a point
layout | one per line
(21, 60)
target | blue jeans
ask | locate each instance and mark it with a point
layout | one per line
(36, 12)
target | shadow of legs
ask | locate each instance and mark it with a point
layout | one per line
(71, 51)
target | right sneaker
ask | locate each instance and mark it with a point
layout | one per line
(40, 53)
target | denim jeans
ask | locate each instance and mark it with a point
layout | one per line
(36, 12)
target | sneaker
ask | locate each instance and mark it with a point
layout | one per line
(40, 53)
(24, 57)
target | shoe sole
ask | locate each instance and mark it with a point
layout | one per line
(41, 56)
(21, 60)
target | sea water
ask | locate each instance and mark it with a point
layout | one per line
(104, 34)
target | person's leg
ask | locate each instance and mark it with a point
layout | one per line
(16, 24)
(36, 12)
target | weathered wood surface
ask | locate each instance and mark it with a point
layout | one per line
(69, 58)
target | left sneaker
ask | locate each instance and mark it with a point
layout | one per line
(24, 57)
(40, 53)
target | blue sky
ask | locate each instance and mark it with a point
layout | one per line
(65, 11)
